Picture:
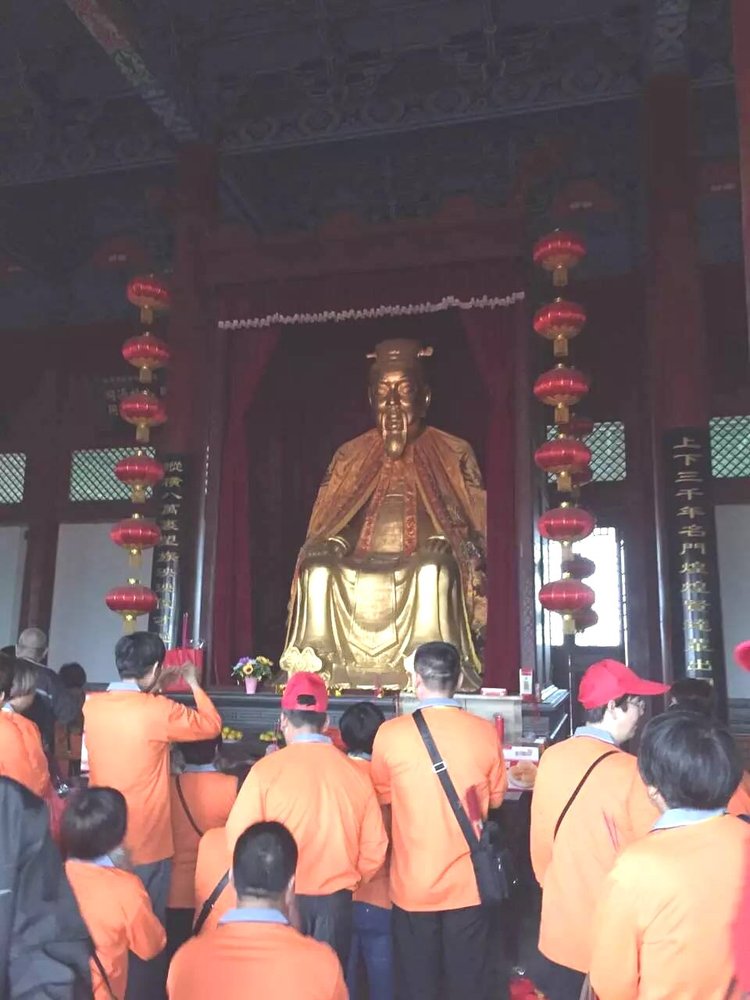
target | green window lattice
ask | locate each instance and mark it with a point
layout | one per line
(12, 476)
(730, 447)
(92, 475)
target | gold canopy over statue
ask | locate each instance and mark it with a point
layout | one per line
(395, 549)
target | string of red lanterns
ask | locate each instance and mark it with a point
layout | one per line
(565, 457)
(144, 410)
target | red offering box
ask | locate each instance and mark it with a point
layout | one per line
(180, 657)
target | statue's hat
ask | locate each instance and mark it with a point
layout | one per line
(396, 354)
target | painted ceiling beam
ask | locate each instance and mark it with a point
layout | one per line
(172, 107)
(667, 39)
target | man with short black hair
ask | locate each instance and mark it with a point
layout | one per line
(254, 952)
(588, 803)
(128, 730)
(21, 752)
(663, 927)
(328, 805)
(441, 931)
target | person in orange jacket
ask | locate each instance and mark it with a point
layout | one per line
(201, 798)
(328, 805)
(128, 731)
(255, 951)
(113, 903)
(372, 942)
(588, 803)
(693, 694)
(22, 755)
(664, 924)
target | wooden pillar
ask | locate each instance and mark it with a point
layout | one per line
(741, 53)
(183, 441)
(680, 394)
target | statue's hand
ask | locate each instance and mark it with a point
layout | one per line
(323, 548)
(438, 546)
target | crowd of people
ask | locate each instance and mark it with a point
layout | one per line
(364, 861)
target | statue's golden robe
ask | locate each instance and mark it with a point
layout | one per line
(364, 612)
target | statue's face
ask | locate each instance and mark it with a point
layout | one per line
(399, 401)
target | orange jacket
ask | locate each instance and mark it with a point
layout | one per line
(117, 912)
(127, 738)
(21, 753)
(663, 927)
(240, 960)
(214, 859)
(739, 804)
(376, 892)
(611, 810)
(209, 796)
(327, 804)
(430, 864)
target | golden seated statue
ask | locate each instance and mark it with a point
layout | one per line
(394, 555)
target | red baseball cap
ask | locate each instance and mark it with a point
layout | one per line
(609, 680)
(302, 684)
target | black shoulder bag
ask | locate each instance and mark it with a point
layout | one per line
(493, 864)
(210, 903)
(578, 787)
(102, 972)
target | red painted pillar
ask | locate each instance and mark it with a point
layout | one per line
(741, 53)
(680, 393)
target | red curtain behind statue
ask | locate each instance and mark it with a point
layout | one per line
(297, 395)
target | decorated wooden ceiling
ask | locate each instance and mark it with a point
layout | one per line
(378, 107)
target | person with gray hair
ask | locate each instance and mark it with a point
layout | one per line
(53, 701)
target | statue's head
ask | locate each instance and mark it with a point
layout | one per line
(399, 393)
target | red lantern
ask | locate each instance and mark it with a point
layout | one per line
(566, 598)
(561, 457)
(150, 294)
(559, 322)
(566, 524)
(742, 655)
(585, 619)
(557, 253)
(145, 411)
(561, 387)
(135, 535)
(577, 427)
(139, 472)
(131, 601)
(147, 353)
(579, 567)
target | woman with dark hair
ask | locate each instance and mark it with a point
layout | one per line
(664, 925)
